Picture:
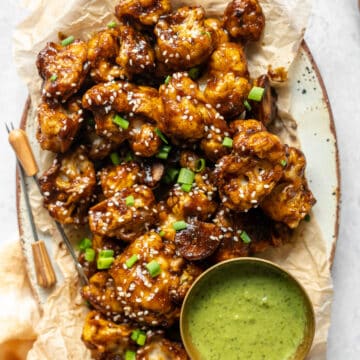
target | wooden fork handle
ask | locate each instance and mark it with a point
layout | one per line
(45, 274)
(20, 143)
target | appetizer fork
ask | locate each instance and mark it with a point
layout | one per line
(27, 165)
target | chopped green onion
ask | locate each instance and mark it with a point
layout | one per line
(186, 187)
(53, 77)
(161, 136)
(106, 253)
(130, 201)
(162, 233)
(141, 339)
(206, 33)
(167, 79)
(69, 40)
(154, 268)
(89, 254)
(307, 217)
(131, 261)
(115, 158)
(256, 93)
(118, 120)
(179, 225)
(164, 152)
(104, 262)
(111, 24)
(135, 334)
(194, 73)
(186, 176)
(171, 174)
(228, 142)
(128, 157)
(200, 165)
(245, 237)
(85, 244)
(247, 105)
(283, 163)
(91, 122)
(130, 355)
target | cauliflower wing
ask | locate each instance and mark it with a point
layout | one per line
(146, 299)
(113, 217)
(227, 86)
(183, 40)
(58, 125)
(291, 200)
(147, 12)
(68, 186)
(244, 20)
(63, 69)
(251, 172)
(220, 34)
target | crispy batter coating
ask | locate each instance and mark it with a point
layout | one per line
(220, 34)
(199, 202)
(106, 128)
(102, 335)
(228, 87)
(115, 178)
(250, 173)
(244, 20)
(136, 55)
(67, 187)
(291, 200)
(262, 231)
(183, 40)
(144, 141)
(198, 241)
(58, 125)
(187, 116)
(147, 12)
(112, 217)
(103, 48)
(101, 293)
(146, 299)
(63, 69)
(124, 97)
(159, 348)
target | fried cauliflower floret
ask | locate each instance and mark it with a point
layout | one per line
(260, 229)
(152, 300)
(102, 335)
(291, 200)
(58, 125)
(136, 55)
(147, 12)
(251, 172)
(188, 117)
(103, 48)
(113, 217)
(124, 97)
(63, 69)
(67, 187)
(115, 178)
(244, 20)
(183, 40)
(144, 141)
(159, 348)
(220, 34)
(228, 87)
(107, 128)
(101, 293)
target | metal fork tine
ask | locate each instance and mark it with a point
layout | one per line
(7, 128)
(12, 126)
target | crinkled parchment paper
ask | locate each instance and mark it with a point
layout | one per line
(58, 330)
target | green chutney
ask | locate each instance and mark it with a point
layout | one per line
(246, 312)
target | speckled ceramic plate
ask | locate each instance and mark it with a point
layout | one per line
(309, 106)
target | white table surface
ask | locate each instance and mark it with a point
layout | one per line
(333, 36)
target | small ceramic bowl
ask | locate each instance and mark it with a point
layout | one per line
(221, 271)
